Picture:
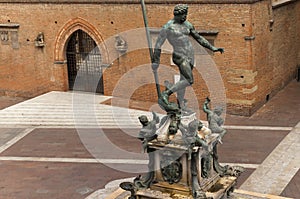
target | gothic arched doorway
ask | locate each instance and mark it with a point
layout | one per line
(84, 63)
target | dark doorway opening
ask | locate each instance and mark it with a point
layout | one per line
(84, 63)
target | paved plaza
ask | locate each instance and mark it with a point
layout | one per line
(71, 145)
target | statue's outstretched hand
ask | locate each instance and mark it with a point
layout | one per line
(221, 50)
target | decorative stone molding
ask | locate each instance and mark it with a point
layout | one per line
(10, 26)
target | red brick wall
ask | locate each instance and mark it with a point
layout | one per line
(275, 48)
(227, 19)
(250, 69)
(29, 71)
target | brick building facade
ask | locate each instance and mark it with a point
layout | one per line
(260, 37)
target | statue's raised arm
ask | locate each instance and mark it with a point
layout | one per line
(206, 108)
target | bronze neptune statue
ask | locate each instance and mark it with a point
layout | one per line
(177, 32)
(182, 151)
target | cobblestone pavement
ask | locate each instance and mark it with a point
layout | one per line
(43, 154)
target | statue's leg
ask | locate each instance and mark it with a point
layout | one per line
(180, 98)
(186, 79)
(179, 86)
(218, 168)
(186, 75)
(205, 166)
(146, 180)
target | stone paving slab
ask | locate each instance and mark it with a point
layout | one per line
(276, 171)
(49, 143)
(248, 146)
(66, 143)
(69, 109)
(36, 180)
(293, 188)
(7, 134)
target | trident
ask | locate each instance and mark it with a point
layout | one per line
(150, 47)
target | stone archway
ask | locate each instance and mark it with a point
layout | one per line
(68, 29)
(61, 45)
